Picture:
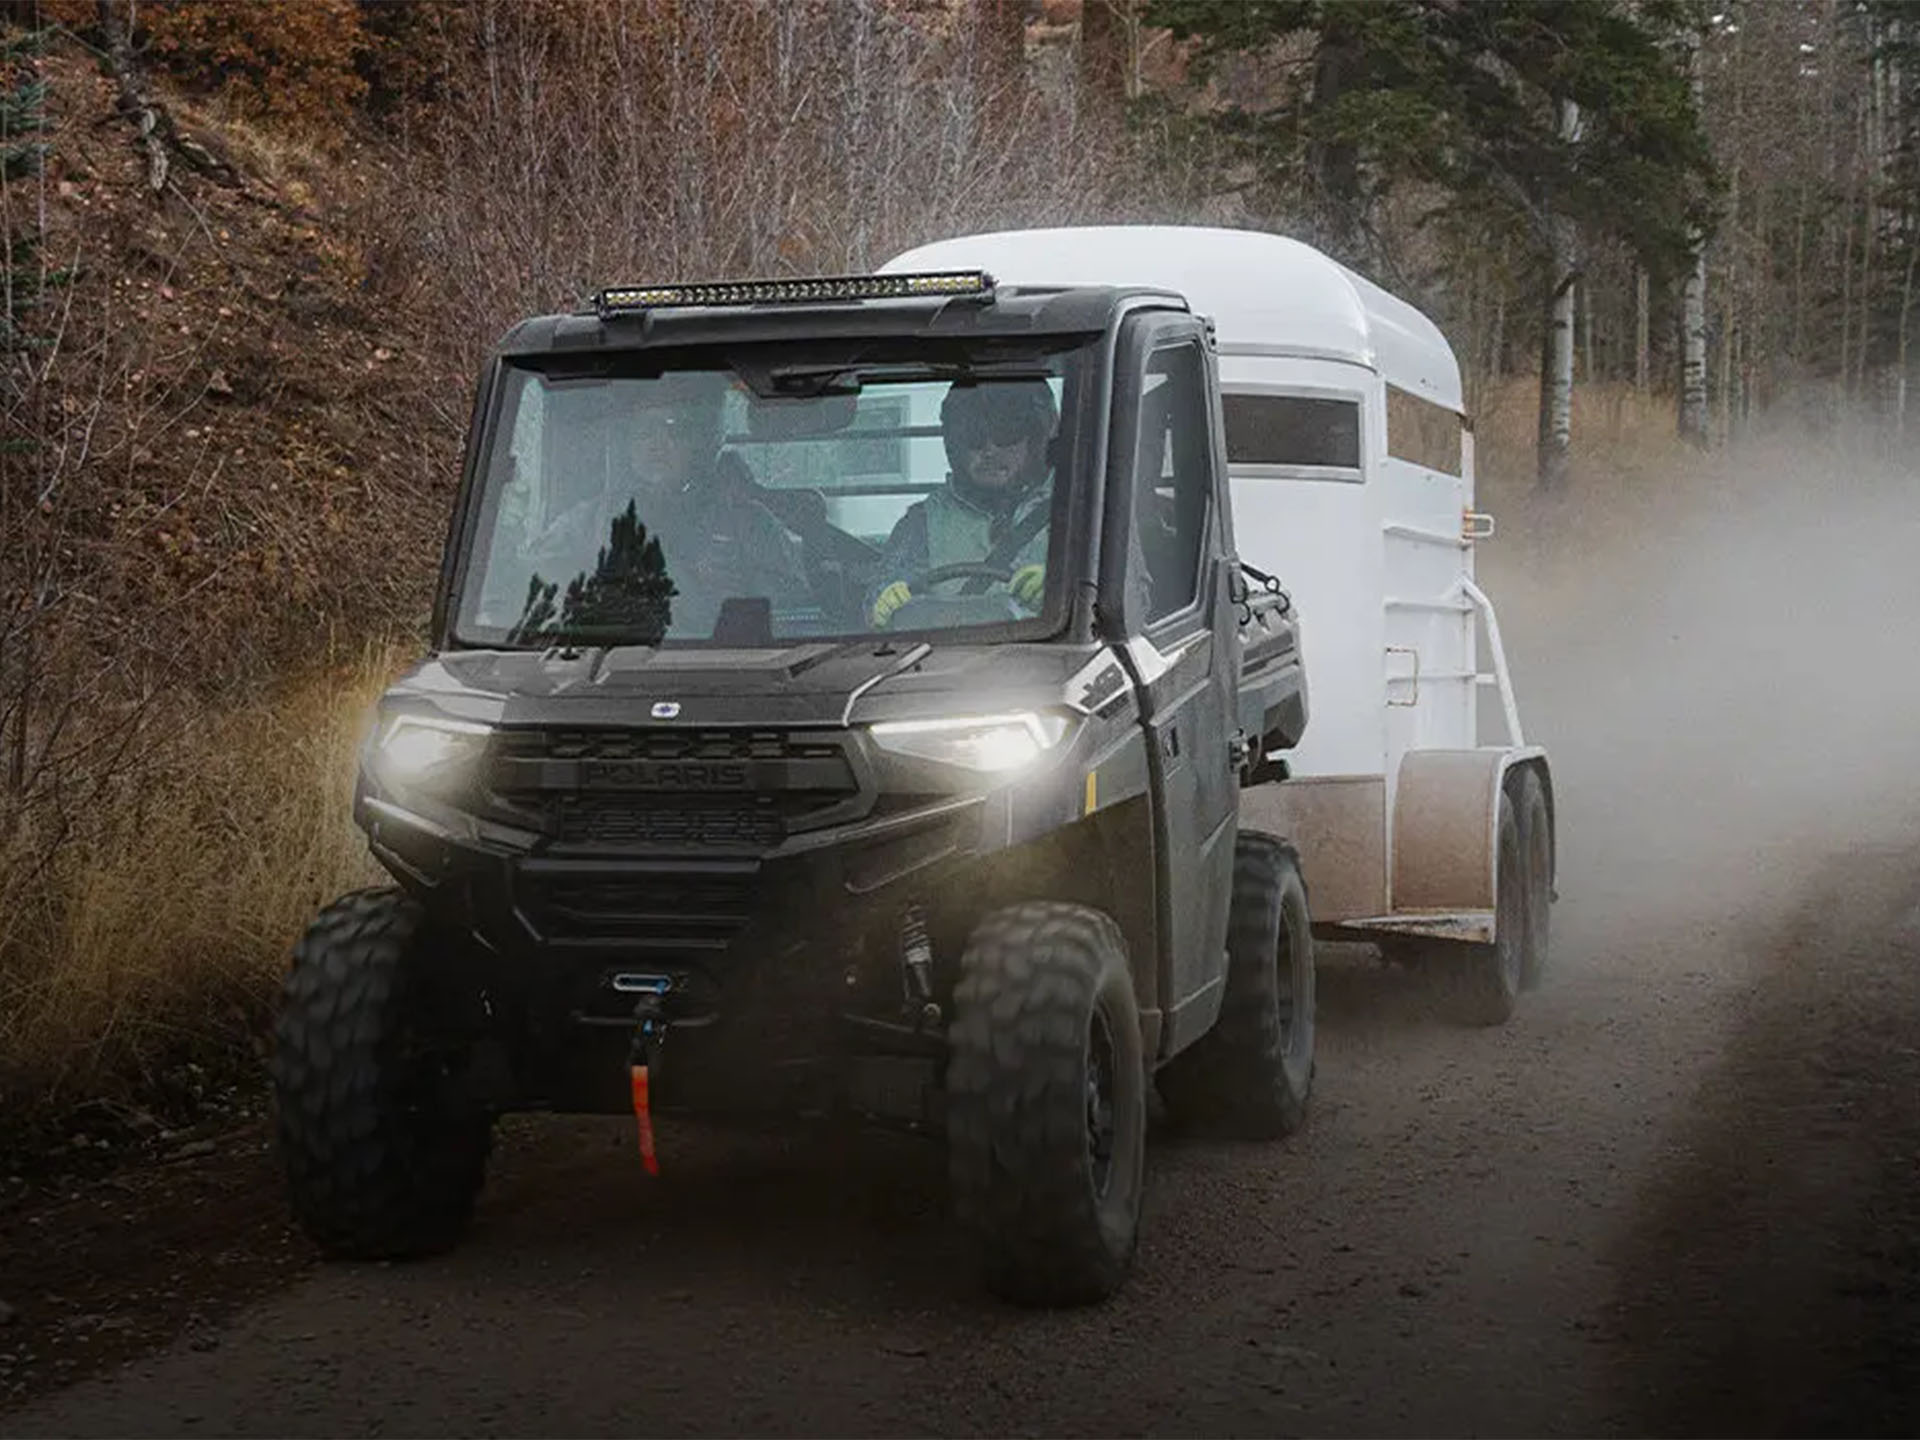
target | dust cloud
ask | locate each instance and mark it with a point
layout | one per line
(1725, 669)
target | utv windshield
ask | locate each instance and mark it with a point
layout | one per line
(761, 498)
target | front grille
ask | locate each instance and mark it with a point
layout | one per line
(662, 744)
(747, 823)
(651, 790)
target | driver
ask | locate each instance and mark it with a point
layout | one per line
(997, 435)
(717, 541)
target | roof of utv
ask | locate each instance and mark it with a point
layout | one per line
(1266, 294)
(1011, 313)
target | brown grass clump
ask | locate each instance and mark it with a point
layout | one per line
(156, 936)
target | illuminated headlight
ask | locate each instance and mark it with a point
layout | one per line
(994, 744)
(416, 748)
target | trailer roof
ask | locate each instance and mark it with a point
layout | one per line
(1265, 293)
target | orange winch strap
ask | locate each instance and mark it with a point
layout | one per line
(643, 1113)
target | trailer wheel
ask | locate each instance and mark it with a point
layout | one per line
(1252, 1073)
(384, 1155)
(1486, 978)
(1046, 1103)
(1536, 842)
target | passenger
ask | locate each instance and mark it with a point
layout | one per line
(996, 498)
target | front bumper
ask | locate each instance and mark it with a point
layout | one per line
(780, 952)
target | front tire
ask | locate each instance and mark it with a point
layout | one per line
(1251, 1075)
(1046, 1103)
(384, 1153)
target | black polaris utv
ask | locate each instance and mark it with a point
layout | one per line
(734, 771)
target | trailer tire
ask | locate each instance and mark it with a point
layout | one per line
(1486, 978)
(1251, 1075)
(1046, 1103)
(384, 1158)
(1536, 844)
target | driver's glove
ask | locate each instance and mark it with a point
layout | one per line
(1027, 583)
(890, 600)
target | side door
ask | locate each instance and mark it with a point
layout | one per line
(1173, 586)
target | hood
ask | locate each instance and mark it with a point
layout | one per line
(801, 685)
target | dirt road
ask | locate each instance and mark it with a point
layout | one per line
(1681, 1193)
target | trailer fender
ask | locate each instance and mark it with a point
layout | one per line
(1445, 818)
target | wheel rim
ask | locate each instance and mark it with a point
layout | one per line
(1101, 1125)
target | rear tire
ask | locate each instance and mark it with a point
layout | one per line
(1536, 841)
(1251, 1075)
(1046, 1103)
(1486, 979)
(384, 1155)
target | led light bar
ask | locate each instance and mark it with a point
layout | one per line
(632, 299)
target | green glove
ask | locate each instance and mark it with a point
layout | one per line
(1027, 583)
(891, 599)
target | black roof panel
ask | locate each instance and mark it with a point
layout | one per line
(1013, 311)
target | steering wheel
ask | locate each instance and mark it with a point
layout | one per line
(966, 570)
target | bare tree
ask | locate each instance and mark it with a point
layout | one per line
(1556, 361)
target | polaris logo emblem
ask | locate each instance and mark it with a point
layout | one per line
(665, 775)
(666, 709)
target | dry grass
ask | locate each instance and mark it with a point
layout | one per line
(1631, 479)
(154, 938)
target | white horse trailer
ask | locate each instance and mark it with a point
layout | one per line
(1351, 464)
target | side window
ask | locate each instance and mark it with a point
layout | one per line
(1295, 432)
(1172, 478)
(1423, 433)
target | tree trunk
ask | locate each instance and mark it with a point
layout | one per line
(1103, 58)
(1556, 386)
(1642, 332)
(1586, 333)
(1693, 352)
(1900, 378)
(1006, 41)
(1693, 303)
(1556, 355)
(1498, 347)
(1333, 164)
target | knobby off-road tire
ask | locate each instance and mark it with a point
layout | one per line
(1046, 1103)
(1486, 978)
(384, 1157)
(1251, 1075)
(1536, 844)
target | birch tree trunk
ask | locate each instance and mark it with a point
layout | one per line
(1556, 359)
(1693, 305)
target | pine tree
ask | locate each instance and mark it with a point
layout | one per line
(1566, 123)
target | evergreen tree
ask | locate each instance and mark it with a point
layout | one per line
(1571, 121)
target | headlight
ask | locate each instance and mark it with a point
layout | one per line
(994, 744)
(417, 748)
